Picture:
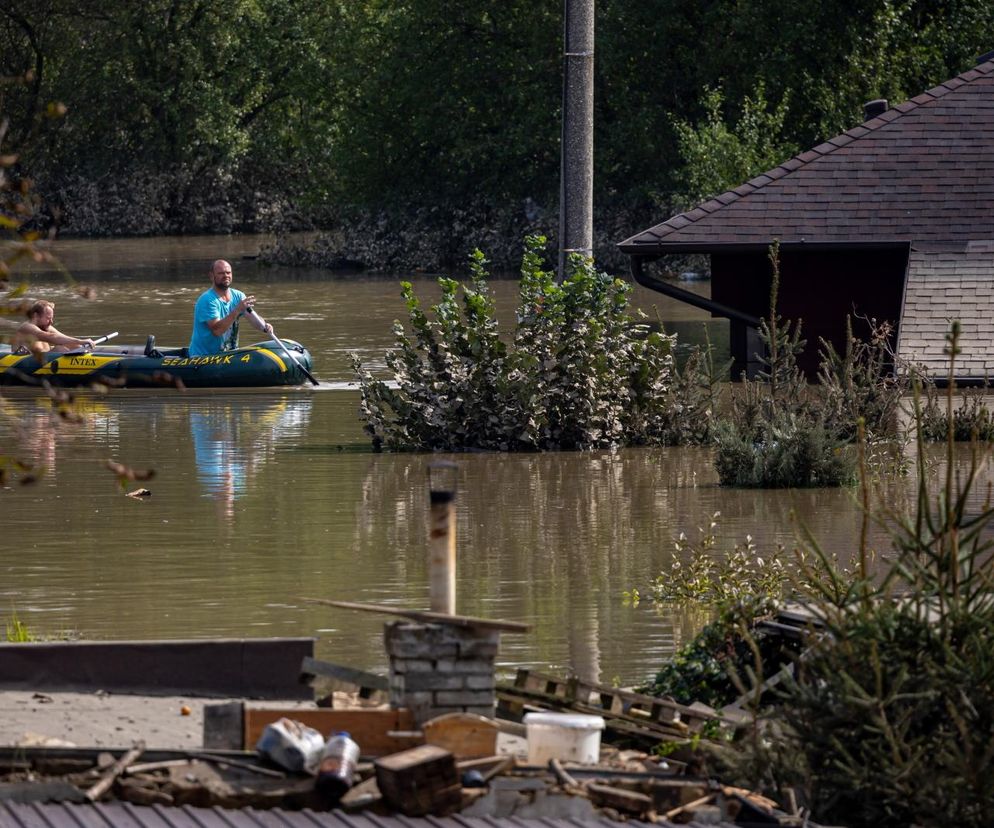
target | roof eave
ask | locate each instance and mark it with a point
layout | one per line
(662, 248)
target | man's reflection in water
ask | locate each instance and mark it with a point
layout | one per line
(39, 431)
(233, 439)
(38, 439)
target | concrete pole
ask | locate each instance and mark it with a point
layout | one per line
(576, 195)
(442, 539)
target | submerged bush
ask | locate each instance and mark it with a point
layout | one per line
(580, 371)
(777, 435)
(971, 419)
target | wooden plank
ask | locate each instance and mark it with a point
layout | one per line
(427, 616)
(257, 668)
(465, 735)
(311, 667)
(373, 730)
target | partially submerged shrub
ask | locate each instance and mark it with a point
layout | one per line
(705, 669)
(737, 589)
(860, 384)
(699, 572)
(971, 419)
(580, 371)
(777, 435)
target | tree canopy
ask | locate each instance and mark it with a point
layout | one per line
(387, 103)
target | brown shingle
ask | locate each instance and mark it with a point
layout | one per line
(921, 171)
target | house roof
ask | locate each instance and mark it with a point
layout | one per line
(125, 815)
(920, 171)
(942, 286)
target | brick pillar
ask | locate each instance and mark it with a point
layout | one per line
(441, 668)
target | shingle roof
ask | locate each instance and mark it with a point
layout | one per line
(922, 170)
(943, 286)
(124, 815)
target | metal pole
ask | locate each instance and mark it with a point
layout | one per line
(576, 195)
(442, 538)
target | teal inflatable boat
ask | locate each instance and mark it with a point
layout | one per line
(253, 366)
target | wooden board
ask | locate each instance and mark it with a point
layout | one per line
(427, 616)
(371, 729)
(465, 735)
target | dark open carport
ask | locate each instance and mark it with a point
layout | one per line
(892, 220)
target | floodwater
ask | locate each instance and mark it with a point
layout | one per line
(262, 499)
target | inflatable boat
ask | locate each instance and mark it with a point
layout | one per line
(253, 366)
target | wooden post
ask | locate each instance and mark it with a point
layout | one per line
(442, 540)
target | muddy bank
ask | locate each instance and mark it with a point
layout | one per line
(427, 238)
(436, 239)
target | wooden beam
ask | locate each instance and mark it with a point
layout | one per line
(311, 667)
(427, 616)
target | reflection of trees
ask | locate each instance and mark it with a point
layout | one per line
(550, 538)
(555, 539)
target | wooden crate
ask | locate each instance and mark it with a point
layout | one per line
(377, 732)
(420, 781)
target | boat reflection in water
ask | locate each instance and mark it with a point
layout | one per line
(234, 439)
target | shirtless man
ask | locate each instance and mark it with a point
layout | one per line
(216, 314)
(39, 334)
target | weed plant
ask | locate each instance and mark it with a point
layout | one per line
(971, 419)
(15, 631)
(740, 588)
(579, 372)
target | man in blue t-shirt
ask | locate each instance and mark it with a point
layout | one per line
(216, 314)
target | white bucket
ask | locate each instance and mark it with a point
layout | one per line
(570, 737)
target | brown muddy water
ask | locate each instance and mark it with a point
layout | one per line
(263, 498)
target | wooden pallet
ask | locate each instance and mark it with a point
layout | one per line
(627, 715)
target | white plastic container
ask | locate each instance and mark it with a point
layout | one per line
(292, 745)
(569, 737)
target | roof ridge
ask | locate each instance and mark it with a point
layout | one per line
(826, 147)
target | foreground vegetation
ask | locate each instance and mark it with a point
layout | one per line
(885, 718)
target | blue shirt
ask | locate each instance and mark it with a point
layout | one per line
(210, 306)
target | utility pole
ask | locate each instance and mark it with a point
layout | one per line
(576, 193)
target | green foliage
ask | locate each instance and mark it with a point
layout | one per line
(859, 385)
(700, 573)
(971, 419)
(776, 435)
(717, 157)
(888, 716)
(707, 668)
(379, 104)
(16, 631)
(580, 372)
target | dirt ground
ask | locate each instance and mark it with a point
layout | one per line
(105, 720)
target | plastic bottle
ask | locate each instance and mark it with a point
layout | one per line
(338, 765)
